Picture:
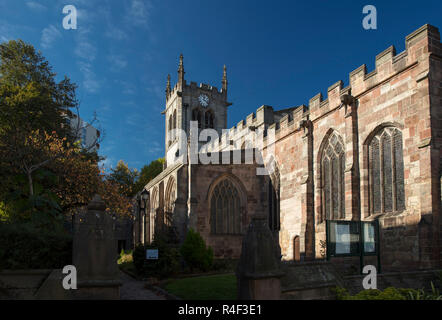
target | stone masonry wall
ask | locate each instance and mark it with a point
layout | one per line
(203, 178)
(397, 93)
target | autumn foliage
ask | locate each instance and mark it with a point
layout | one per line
(43, 166)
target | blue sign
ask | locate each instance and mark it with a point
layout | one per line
(152, 254)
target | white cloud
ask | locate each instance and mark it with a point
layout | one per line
(49, 35)
(126, 88)
(115, 33)
(117, 62)
(154, 147)
(138, 12)
(36, 6)
(90, 82)
(84, 48)
(132, 119)
(10, 31)
(86, 53)
(156, 90)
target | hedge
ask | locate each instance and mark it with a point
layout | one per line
(24, 246)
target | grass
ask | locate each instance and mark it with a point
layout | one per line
(216, 287)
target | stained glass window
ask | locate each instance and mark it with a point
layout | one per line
(386, 172)
(225, 209)
(333, 185)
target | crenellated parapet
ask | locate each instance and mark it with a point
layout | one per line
(265, 119)
(424, 41)
(206, 87)
(419, 44)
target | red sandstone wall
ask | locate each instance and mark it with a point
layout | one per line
(252, 189)
(396, 93)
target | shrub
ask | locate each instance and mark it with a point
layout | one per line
(26, 246)
(139, 255)
(371, 294)
(341, 293)
(125, 257)
(195, 253)
(389, 293)
(420, 294)
(168, 262)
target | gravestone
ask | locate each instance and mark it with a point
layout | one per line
(95, 254)
(258, 273)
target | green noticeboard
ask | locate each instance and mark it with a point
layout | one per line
(352, 238)
(343, 238)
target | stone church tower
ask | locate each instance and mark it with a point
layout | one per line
(189, 102)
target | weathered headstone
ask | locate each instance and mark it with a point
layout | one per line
(95, 254)
(258, 273)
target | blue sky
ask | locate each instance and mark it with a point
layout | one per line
(279, 53)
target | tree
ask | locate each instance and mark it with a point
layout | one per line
(124, 177)
(28, 153)
(116, 202)
(148, 172)
(77, 185)
(39, 150)
(30, 97)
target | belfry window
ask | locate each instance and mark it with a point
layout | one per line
(174, 119)
(225, 209)
(332, 173)
(197, 116)
(386, 172)
(170, 130)
(209, 119)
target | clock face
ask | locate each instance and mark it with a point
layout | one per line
(204, 100)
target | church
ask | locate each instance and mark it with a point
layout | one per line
(370, 151)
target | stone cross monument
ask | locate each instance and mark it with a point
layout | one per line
(95, 254)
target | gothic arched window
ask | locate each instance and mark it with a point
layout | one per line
(386, 171)
(170, 202)
(170, 123)
(225, 209)
(209, 119)
(170, 129)
(174, 119)
(153, 213)
(197, 116)
(332, 173)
